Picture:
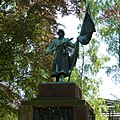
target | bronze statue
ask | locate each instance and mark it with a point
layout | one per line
(61, 64)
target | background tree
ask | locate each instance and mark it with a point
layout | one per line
(107, 20)
(89, 64)
(26, 28)
(111, 33)
(92, 63)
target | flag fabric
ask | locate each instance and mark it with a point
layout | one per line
(84, 38)
(87, 28)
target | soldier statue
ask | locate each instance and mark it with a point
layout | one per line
(61, 64)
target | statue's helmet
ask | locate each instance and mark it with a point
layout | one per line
(60, 31)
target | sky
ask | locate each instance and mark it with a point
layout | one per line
(108, 90)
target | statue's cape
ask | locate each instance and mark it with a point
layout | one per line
(87, 28)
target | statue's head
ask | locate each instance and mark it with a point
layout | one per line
(61, 32)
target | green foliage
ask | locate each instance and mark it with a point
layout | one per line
(26, 28)
(87, 80)
(117, 106)
(106, 16)
(90, 92)
(110, 32)
(90, 64)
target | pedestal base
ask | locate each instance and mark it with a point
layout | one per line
(46, 109)
(59, 90)
(57, 101)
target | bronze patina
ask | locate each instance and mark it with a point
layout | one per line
(61, 64)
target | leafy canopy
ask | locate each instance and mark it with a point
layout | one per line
(26, 28)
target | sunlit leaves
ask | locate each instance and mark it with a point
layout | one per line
(26, 29)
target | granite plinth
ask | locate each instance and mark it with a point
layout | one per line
(56, 101)
(59, 90)
(81, 110)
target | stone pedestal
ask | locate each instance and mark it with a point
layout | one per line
(59, 90)
(57, 101)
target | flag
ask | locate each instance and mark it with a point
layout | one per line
(87, 28)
